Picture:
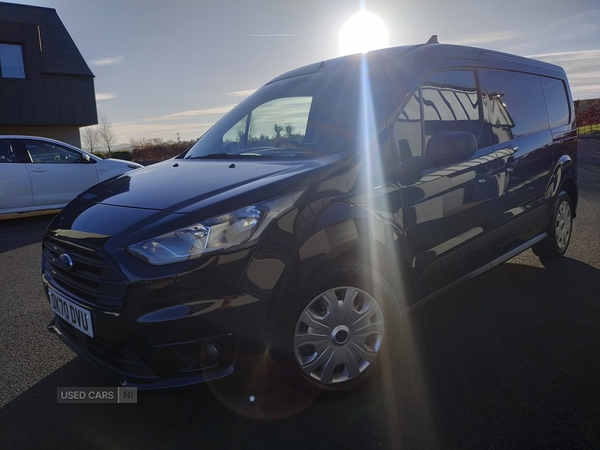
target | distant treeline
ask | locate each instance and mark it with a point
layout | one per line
(587, 115)
(156, 149)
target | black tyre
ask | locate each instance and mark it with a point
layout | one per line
(559, 229)
(341, 331)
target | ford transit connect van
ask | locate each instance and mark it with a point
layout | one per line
(311, 215)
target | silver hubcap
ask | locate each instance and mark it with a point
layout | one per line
(563, 225)
(338, 335)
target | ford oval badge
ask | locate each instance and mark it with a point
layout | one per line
(65, 261)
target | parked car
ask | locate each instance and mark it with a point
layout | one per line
(310, 216)
(38, 174)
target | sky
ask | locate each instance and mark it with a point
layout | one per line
(171, 69)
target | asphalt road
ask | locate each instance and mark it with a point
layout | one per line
(508, 360)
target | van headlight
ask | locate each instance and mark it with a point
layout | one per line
(238, 228)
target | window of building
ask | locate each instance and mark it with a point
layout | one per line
(516, 104)
(11, 61)
(557, 101)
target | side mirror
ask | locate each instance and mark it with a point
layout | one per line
(411, 171)
(85, 158)
(450, 147)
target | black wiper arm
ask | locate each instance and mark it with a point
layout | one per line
(230, 156)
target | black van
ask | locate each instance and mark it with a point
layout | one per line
(310, 216)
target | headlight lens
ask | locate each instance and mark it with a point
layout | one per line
(240, 227)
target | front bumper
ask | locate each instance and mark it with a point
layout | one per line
(165, 332)
(197, 361)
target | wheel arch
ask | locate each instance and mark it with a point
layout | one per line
(570, 187)
(363, 240)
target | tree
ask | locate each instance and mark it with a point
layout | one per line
(106, 133)
(278, 129)
(593, 111)
(289, 129)
(90, 138)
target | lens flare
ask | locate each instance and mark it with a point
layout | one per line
(361, 33)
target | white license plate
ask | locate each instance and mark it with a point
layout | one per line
(77, 316)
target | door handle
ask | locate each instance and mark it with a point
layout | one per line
(39, 170)
(483, 174)
(511, 162)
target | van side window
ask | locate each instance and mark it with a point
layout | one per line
(407, 129)
(557, 102)
(515, 104)
(451, 103)
(446, 101)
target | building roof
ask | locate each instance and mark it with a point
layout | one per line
(59, 53)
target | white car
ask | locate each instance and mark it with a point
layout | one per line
(39, 174)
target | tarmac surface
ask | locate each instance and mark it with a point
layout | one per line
(510, 359)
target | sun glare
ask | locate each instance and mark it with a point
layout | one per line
(363, 32)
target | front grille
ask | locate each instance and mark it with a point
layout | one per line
(91, 280)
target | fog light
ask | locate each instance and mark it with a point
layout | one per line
(211, 352)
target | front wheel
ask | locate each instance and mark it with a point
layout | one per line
(341, 331)
(559, 229)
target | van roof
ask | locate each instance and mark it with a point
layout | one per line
(424, 54)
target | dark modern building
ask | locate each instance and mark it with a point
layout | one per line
(46, 87)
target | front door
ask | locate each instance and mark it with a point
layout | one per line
(58, 174)
(448, 215)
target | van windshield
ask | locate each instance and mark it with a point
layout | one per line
(306, 115)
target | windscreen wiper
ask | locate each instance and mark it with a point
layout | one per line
(230, 156)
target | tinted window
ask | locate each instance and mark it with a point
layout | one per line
(446, 101)
(450, 103)
(557, 101)
(515, 104)
(408, 129)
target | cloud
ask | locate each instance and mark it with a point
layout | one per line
(245, 93)
(582, 68)
(167, 127)
(272, 35)
(486, 38)
(560, 57)
(198, 112)
(126, 131)
(105, 96)
(107, 61)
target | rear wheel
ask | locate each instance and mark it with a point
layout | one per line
(559, 230)
(341, 330)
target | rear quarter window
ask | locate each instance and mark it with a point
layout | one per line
(557, 101)
(516, 105)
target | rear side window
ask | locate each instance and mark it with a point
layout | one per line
(557, 101)
(515, 103)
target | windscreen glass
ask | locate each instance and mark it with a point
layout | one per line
(307, 115)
